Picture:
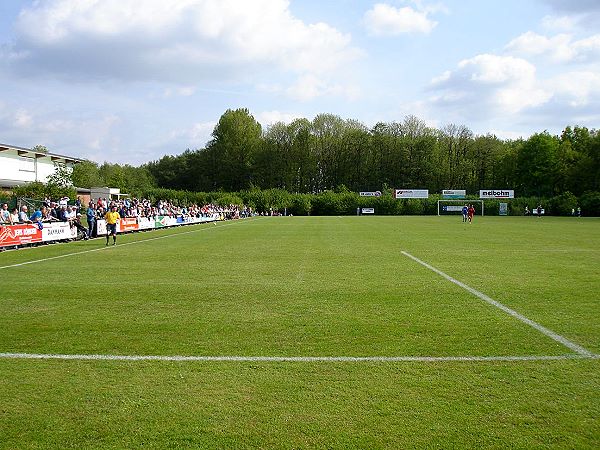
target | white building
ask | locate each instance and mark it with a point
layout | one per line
(22, 165)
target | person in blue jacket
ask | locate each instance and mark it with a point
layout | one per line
(91, 219)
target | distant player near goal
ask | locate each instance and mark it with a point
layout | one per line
(465, 212)
(471, 213)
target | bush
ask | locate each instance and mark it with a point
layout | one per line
(300, 205)
(227, 199)
(590, 204)
(562, 205)
(413, 206)
(387, 205)
(38, 191)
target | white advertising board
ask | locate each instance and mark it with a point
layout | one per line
(411, 193)
(452, 208)
(370, 194)
(368, 211)
(496, 193)
(101, 227)
(454, 193)
(57, 231)
(144, 223)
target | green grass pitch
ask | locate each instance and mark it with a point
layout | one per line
(306, 287)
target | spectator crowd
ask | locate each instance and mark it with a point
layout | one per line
(60, 210)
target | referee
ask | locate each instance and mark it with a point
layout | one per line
(112, 217)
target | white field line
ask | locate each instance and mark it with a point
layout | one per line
(551, 334)
(294, 358)
(119, 245)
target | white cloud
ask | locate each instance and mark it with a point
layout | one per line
(183, 91)
(582, 13)
(577, 89)
(490, 84)
(386, 20)
(560, 48)
(588, 49)
(180, 41)
(558, 23)
(196, 135)
(22, 119)
(267, 118)
(309, 87)
(64, 133)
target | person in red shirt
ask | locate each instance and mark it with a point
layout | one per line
(471, 213)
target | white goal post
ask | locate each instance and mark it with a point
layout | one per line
(455, 206)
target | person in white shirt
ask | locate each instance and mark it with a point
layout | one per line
(23, 216)
(5, 214)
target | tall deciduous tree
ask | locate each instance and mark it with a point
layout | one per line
(236, 139)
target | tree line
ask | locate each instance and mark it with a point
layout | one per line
(330, 152)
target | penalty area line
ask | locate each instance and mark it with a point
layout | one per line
(308, 359)
(120, 245)
(547, 332)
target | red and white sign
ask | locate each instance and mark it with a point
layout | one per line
(19, 235)
(128, 224)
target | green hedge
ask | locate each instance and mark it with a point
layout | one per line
(345, 202)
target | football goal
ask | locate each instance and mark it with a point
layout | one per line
(445, 207)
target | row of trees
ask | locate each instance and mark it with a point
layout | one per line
(313, 156)
(330, 152)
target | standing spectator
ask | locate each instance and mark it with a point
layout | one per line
(5, 214)
(91, 219)
(539, 211)
(112, 218)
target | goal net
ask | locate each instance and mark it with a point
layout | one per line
(449, 207)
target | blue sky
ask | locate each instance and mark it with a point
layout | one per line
(129, 81)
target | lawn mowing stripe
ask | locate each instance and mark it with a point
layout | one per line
(551, 334)
(294, 358)
(120, 245)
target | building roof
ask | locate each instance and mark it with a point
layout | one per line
(35, 154)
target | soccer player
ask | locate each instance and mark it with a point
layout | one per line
(111, 218)
(465, 211)
(471, 213)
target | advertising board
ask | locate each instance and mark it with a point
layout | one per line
(496, 193)
(128, 224)
(411, 193)
(19, 235)
(58, 231)
(370, 194)
(454, 193)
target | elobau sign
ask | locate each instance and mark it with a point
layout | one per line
(493, 193)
